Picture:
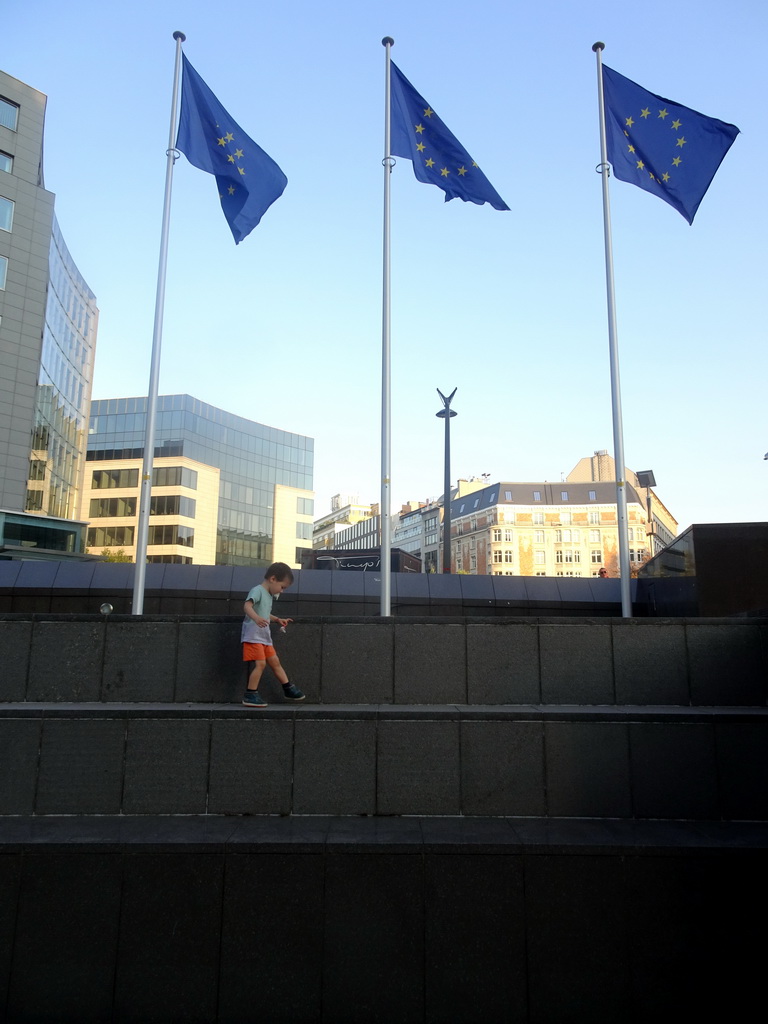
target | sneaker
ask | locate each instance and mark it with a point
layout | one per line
(253, 699)
(291, 692)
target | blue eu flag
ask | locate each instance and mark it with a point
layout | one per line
(249, 180)
(438, 158)
(665, 148)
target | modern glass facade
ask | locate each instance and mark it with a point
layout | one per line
(57, 461)
(48, 323)
(252, 459)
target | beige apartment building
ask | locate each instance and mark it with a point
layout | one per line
(346, 511)
(183, 510)
(553, 529)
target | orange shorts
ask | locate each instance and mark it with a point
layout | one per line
(258, 652)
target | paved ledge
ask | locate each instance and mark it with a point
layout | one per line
(386, 712)
(316, 834)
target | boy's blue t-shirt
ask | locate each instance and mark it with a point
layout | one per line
(251, 632)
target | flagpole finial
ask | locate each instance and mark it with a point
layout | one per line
(598, 46)
(387, 41)
(179, 35)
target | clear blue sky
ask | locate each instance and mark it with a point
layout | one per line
(508, 307)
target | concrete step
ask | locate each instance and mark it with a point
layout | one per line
(221, 919)
(375, 661)
(531, 760)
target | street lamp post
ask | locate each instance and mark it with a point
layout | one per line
(447, 413)
(647, 480)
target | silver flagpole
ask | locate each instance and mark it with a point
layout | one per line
(386, 391)
(172, 154)
(618, 431)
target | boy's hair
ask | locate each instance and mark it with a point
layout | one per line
(280, 571)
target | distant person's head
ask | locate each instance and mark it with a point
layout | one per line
(602, 572)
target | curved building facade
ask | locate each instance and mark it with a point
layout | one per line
(48, 322)
(225, 490)
(63, 395)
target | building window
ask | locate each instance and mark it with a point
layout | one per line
(108, 478)
(594, 517)
(497, 555)
(537, 495)
(183, 535)
(37, 469)
(539, 574)
(174, 476)
(33, 503)
(305, 507)
(9, 114)
(508, 556)
(6, 162)
(596, 556)
(111, 508)
(594, 536)
(539, 557)
(508, 536)
(558, 556)
(567, 536)
(592, 496)
(172, 505)
(3, 271)
(566, 518)
(497, 536)
(304, 531)
(508, 495)
(6, 213)
(538, 518)
(538, 536)
(110, 536)
(564, 495)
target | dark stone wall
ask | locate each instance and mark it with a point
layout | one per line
(187, 659)
(411, 920)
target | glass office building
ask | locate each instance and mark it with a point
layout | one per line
(57, 460)
(48, 323)
(254, 461)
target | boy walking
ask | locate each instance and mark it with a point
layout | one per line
(257, 639)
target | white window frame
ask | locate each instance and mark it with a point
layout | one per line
(4, 121)
(10, 210)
